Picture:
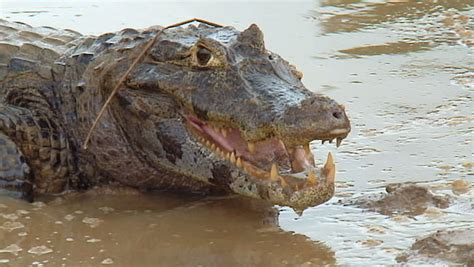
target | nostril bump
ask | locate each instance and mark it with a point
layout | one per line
(337, 114)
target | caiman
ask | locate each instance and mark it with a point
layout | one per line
(208, 110)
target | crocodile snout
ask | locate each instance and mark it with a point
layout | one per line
(339, 119)
(316, 117)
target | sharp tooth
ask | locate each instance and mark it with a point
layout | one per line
(281, 143)
(213, 147)
(227, 155)
(218, 151)
(329, 160)
(331, 176)
(338, 141)
(208, 144)
(238, 163)
(232, 158)
(312, 177)
(283, 182)
(307, 149)
(274, 172)
(330, 169)
(309, 154)
(224, 132)
(343, 107)
(251, 147)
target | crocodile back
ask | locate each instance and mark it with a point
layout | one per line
(26, 48)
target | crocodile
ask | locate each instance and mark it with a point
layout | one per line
(207, 110)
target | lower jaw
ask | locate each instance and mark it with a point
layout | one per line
(298, 200)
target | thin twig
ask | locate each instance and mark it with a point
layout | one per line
(135, 62)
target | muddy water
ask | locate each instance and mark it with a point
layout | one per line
(404, 69)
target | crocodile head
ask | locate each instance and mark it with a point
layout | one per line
(214, 105)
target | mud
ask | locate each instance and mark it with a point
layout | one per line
(450, 246)
(124, 228)
(405, 199)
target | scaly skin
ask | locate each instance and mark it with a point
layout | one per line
(209, 109)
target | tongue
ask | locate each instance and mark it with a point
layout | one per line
(266, 152)
(218, 138)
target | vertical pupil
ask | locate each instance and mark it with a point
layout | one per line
(203, 56)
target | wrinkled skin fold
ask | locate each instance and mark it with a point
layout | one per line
(208, 110)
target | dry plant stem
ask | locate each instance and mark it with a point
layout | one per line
(134, 63)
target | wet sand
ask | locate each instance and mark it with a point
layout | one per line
(404, 69)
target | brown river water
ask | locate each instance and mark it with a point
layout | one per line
(405, 71)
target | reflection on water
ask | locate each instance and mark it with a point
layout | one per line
(139, 230)
(403, 68)
(415, 25)
(352, 15)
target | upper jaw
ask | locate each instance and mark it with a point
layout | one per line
(285, 175)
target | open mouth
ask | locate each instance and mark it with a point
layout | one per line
(269, 159)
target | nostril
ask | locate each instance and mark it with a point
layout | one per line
(337, 114)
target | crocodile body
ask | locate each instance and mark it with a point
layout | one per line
(209, 109)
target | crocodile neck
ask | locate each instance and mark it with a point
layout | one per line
(35, 88)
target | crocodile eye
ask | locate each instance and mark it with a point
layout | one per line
(203, 56)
